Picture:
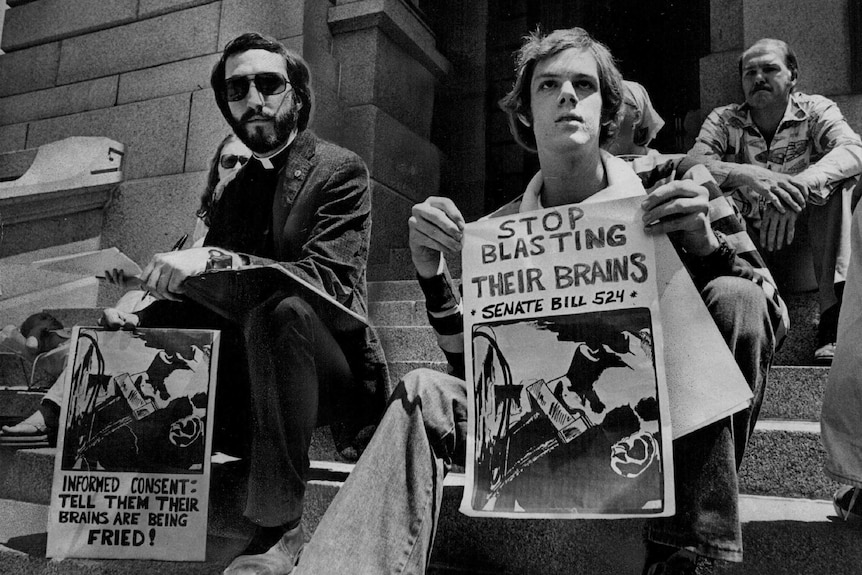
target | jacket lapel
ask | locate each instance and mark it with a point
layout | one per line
(299, 164)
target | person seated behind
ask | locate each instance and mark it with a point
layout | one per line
(638, 124)
(231, 154)
(563, 105)
(41, 333)
(787, 155)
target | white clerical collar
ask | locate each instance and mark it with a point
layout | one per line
(267, 161)
(622, 183)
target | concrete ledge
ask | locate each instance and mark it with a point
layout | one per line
(70, 176)
(398, 22)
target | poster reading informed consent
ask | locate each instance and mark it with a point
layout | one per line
(565, 373)
(131, 478)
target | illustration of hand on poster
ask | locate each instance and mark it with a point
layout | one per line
(569, 406)
(131, 477)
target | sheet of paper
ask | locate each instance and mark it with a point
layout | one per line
(568, 406)
(132, 470)
(92, 263)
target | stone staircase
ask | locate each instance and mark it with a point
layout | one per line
(788, 521)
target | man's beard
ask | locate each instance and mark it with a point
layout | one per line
(260, 141)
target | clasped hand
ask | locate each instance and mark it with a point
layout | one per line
(779, 190)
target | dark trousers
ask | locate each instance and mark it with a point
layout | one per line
(276, 364)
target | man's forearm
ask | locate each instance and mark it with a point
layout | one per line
(839, 164)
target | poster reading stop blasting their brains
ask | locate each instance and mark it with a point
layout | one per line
(131, 477)
(566, 387)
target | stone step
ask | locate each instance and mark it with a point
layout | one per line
(794, 392)
(782, 536)
(783, 459)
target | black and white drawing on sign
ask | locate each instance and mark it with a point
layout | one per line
(567, 415)
(138, 401)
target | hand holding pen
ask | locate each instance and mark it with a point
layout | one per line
(178, 245)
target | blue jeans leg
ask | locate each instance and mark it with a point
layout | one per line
(706, 461)
(384, 517)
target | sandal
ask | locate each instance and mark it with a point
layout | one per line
(31, 433)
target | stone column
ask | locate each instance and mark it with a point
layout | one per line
(390, 69)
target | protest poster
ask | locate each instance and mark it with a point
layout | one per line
(567, 400)
(131, 475)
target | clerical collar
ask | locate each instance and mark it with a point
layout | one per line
(275, 160)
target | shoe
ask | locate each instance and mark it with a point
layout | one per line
(31, 433)
(848, 503)
(666, 560)
(280, 559)
(824, 354)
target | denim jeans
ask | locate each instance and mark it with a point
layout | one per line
(384, 517)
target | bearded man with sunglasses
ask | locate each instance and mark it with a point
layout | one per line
(306, 204)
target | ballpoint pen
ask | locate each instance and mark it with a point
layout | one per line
(177, 247)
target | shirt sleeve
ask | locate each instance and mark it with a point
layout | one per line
(712, 146)
(839, 146)
(445, 315)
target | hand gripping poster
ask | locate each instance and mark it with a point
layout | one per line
(131, 476)
(565, 373)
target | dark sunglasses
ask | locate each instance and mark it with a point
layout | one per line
(228, 161)
(267, 83)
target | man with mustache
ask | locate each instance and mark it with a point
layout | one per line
(305, 204)
(782, 151)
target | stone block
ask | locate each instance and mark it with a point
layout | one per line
(376, 71)
(459, 121)
(389, 212)
(326, 116)
(317, 49)
(147, 216)
(13, 137)
(15, 164)
(45, 20)
(150, 8)
(29, 69)
(60, 101)
(207, 127)
(851, 107)
(820, 37)
(464, 166)
(719, 80)
(398, 22)
(167, 79)
(276, 18)
(726, 25)
(169, 38)
(154, 133)
(396, 156)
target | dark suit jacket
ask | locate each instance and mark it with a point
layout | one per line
(322, 208)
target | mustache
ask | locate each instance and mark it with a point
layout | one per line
(251, 115)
